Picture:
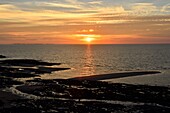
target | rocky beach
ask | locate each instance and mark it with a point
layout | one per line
(79, 94)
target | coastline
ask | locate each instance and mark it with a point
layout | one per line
(80, 94)
(115, 75)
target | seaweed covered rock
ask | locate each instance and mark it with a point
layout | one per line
(71, 106)
(74, 89)
(8, 82)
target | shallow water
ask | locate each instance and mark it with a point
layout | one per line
(100, 59)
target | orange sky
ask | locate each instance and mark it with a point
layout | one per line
(73, 21)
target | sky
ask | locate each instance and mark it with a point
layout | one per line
(84, 21)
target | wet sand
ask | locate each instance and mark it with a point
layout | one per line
(115, 75)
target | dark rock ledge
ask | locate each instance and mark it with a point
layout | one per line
(26, 62)
(24, 68)
(84, 96)
(2, 56)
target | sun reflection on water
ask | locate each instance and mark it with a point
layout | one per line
(88, 67)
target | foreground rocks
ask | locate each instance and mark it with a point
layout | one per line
(74, 89)
(71, 106)
(2, 56)
(8, 82)
(25, 68)
(26, 62)
(26, 72)
(74, 95)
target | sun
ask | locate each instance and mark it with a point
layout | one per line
(89, 39)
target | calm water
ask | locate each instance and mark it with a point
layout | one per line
(98, 59)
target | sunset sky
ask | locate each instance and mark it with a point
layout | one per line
(84, 21)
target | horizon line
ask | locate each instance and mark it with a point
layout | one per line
(90, 44)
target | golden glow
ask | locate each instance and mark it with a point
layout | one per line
(91, 30)
(89, 39)
(72, 22)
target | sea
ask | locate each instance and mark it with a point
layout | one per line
(87, 60)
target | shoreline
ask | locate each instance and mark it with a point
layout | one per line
(73, 95)
(115, 75)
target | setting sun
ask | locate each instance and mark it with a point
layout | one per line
(89, 39)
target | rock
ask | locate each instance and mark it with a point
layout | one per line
(74, 89)
(2, 56)
(18, 75)
(71, 106)
(8, 82)
(25, 68)
(26, 62)
(1, 103)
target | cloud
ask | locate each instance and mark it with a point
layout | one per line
(110, 10)
(74, 19)
(76, 2)
(60, 5)
(26, 33)
(96, 2)
(8, 7)
(144, 9)
(166, 8)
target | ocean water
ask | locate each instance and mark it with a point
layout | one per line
(85, 60)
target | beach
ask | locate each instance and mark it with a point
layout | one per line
(84, 56)
(77, 94)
